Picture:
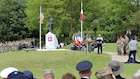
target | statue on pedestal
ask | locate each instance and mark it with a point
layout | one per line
(51, 23)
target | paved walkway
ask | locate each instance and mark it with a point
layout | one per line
(114, 56)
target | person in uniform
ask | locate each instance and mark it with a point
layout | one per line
(84, 68)
(122, 44)
(48, 74)
(88, 41)
(99, 43)
(126, 44)
(104, 73)
(119, 43)
(117, 69)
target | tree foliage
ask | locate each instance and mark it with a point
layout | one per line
(12, 20)
(113, 16)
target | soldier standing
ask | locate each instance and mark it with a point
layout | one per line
(119, 43)
(88, 41)
(122, 44)
(126, 46)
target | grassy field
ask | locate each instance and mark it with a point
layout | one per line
(60, 61)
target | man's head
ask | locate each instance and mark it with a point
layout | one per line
(5, 72)
(84, 68)
(17, 75)
(104, 73)
(48, 74)
(68, 76)
(28, 74)
(117, 67)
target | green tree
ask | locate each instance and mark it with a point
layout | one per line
(12, 20)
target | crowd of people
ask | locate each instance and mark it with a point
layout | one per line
(112, 71)
(125, 42)
(88, 44)
(10, 46)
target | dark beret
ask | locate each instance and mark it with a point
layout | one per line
(84, 65)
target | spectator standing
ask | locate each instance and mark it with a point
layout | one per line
(133, 50)
(117, 69)
(99, 43)
(129, 33)
(84, 68)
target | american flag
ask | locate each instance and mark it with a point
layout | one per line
(41, 15)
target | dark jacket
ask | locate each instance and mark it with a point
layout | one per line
(119, 77)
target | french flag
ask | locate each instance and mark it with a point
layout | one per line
(81, 15)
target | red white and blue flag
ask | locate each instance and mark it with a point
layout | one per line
(81, 15)
(41, 15)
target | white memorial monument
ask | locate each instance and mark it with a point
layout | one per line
(51, 41)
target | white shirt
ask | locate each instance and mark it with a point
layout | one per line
(99, 38)
(133, 45)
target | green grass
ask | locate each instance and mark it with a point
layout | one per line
(110, 47)
(60, 61)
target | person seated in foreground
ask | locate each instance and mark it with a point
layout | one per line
(84, 68)
(117, 68)
(104, 73)
(5, 72)
(136, 75)
(68, 76)
(28, 74)
(48, 74)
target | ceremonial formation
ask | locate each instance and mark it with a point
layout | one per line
(70, 39)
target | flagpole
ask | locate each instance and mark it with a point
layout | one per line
(81, 23)
(40, 31)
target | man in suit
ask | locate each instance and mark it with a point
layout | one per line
(84, 68)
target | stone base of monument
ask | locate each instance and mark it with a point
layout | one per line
(53, 50)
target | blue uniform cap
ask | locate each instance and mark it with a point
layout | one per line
(16, 75)
(84, 66)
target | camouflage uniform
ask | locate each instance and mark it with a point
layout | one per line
(104, 73)
(126, 44)
(88, 41)
(119, 44)
(122, 45)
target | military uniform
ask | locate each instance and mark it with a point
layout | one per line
(84, 67)
(104, 73)
(88, 41)
(119, 44)
(49, 74)
(126, 44)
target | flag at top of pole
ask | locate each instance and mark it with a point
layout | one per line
(41, 15)
(81, 20)
(81, 14)
(41, 22)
